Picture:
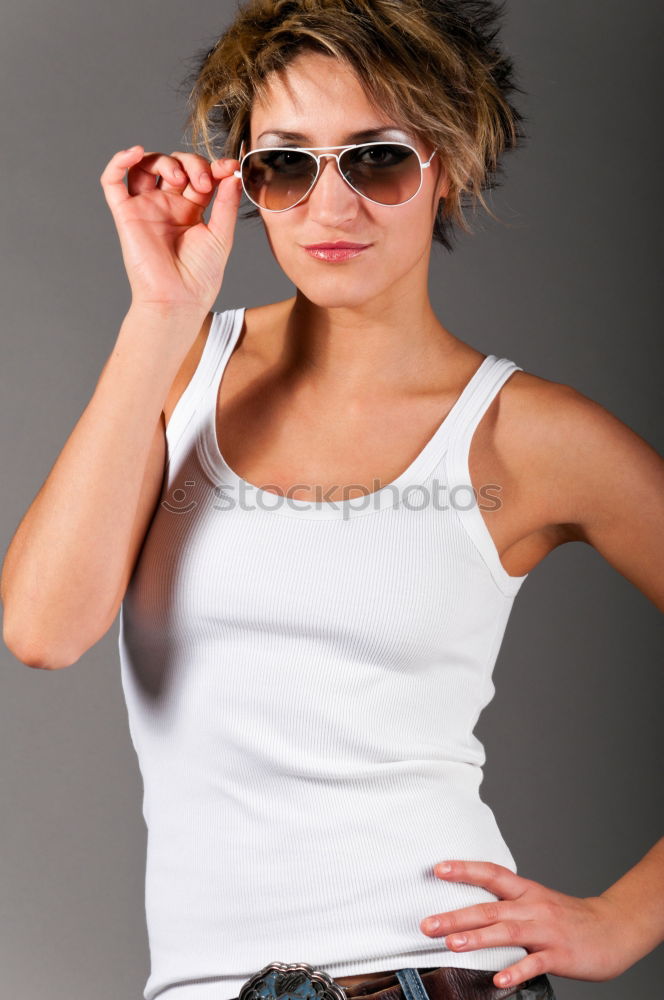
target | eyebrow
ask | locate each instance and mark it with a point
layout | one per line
(367, 133)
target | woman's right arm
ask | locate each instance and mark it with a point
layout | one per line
(68, 565)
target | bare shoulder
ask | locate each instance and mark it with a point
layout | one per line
(577, 458)
(545, 399)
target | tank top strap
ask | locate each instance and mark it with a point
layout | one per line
(200, 393)
(480, 393)
(465, 495)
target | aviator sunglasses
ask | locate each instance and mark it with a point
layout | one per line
(276, 178)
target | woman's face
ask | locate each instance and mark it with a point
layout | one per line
(320, 98)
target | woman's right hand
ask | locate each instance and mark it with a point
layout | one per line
(171, 255)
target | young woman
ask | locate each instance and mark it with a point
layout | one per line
(314, 517)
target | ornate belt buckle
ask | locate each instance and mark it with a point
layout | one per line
(299, 981)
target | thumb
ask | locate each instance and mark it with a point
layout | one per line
(223, 214)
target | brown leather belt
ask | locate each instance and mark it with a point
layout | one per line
(450, 983)
(299, 981)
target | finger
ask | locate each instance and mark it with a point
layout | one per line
(469, 917)
(143, 175)
(225, 205)
(498, 879)
(188, 174)
(112, 176)
(535, 964)
(191, 177)
(198, 169)
(506, 933)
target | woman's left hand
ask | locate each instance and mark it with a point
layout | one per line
(580, 938)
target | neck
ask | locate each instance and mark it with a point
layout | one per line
(348, 347)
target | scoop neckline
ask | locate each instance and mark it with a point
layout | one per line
(388, 497)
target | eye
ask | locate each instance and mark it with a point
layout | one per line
(381, 155)
(283, 160)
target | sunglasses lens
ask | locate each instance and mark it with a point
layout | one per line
(388, 173)
(277, 179)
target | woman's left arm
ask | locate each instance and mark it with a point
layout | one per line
(601, 483)
(604, 483)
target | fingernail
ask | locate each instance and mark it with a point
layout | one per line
(432, 925)
(443, 869)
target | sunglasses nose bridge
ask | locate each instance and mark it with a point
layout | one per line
(331, 156)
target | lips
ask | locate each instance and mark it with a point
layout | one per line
(343, 250)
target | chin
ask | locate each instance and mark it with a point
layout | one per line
(337, 295)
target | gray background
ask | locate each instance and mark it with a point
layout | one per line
(570, 288)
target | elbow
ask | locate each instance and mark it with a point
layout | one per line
(31, 653)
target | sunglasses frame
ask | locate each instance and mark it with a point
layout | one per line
(335, 156)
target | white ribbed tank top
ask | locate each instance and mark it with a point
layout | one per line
(302, 681)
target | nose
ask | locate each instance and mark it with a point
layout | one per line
(324, 159)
